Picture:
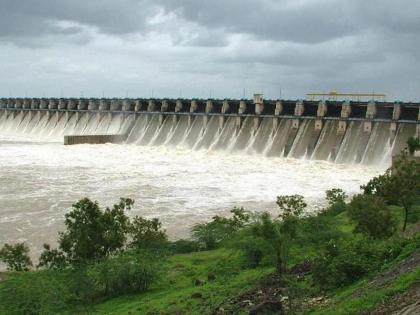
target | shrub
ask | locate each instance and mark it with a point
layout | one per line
(147, 234)
(255, 250)
(42, 292)
(317, 230)
(372, 216)
(49, 291)
(413, 144)
(92, 233)
(212, 233)
(336, 199)
(400, 185)
(125, 273)
(342, 263)
(16, 257)
(184, 247)
(52, 258)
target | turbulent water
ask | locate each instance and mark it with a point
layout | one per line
(180, 171)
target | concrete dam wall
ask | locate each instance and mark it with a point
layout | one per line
(342, 132)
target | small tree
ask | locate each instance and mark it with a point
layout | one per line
(52, 258)
(16, 257)
(91, 233)
(220, 228)
(336, 199)
(278, 233)
(372, 216)
(400, 185)
(147, 233)
(335, 195)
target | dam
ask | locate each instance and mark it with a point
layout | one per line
(185, 160)
(335, 131)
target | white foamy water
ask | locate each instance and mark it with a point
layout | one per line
(40, 180)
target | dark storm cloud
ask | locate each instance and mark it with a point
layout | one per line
(36, 18)
(226, 45)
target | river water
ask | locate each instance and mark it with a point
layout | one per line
(39, 181)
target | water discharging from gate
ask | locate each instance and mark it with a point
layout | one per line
(206, 133)
(182, 170)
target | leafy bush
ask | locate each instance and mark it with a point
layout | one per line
(92, 233)
(212, 233)
(184, 247)
(51, 290)
(147, 234)
(317, 230)
(125, 273)
(255, 251)
(400, 185)
(372, 216)
(16, 257)
(42, 292)
(52, 258)
(342, 263)
(336, 199)
(413, 144)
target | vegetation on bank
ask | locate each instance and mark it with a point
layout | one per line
(348, 259)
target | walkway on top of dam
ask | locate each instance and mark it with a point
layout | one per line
(401, 112)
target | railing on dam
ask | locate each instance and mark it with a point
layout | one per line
(393, 112)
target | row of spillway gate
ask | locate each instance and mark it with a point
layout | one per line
(344, 132)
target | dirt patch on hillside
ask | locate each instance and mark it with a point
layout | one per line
(406, 303)
(384, 278)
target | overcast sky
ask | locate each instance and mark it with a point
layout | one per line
(194, 48)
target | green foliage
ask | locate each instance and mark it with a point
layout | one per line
(336, 199)
(254, 249)
(147, 234)
(212, 233)
(291, 206)
(400, 185)
(16, 257)
(371, 216)
(92, 233)
(335, 195)
(51, 291)
(413, 144)
(52, 258)
(184, 247)
(122, 274)
(317, 230)
(343, 262)
(42, 292)
(273, 237)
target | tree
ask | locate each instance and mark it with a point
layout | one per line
(335, 195)
(372, 216)
(16, 257)
(91, 233)
(400, 185)
(147, 233)
(52, 258)
(278, 233)
(220, 228)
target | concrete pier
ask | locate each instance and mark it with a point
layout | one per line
(299, 110)
(320, 114)
(344, 116)
(370, 115)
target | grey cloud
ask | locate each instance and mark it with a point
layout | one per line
(197, 45)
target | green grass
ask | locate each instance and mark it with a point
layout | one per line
(344, 303)
(173, 294)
